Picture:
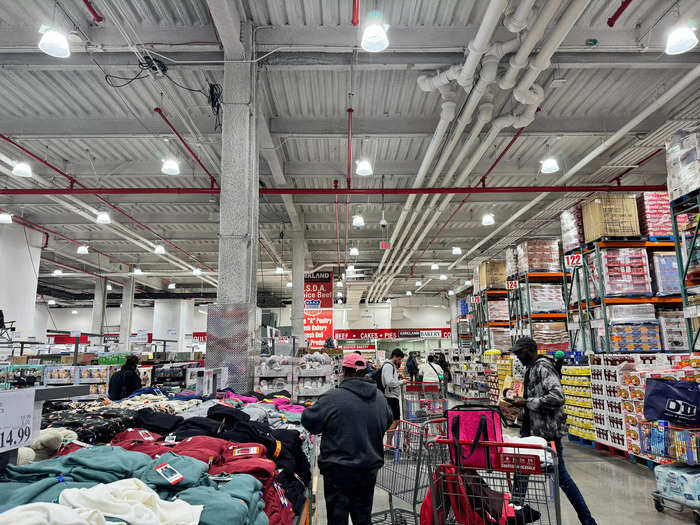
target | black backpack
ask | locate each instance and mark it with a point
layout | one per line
(377, 377)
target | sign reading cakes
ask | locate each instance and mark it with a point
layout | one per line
(318, 308)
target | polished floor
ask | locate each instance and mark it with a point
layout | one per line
(617, 491)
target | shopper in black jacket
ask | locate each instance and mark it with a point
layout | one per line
(126, 381)
(352, 420)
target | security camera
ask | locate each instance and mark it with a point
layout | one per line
(383, 223)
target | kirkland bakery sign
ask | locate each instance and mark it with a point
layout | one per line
(318, 290)
(393, 333)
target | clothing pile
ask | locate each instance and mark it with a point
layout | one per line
(147, 459)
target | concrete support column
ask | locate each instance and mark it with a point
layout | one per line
(20, 251)
(41, 321)
(98, 307)
(172, 319)
(238, 227)
(127, 314)
(453, 321)
(298, 254)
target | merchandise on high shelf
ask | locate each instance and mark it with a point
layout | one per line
(655, 214)
(686, 239)
(544, 298)
(500, 337)
(610, 215)
(538, 255)
(511, 261)
(551, 336)
(673, 334)
(666, 273)
(498, 310)
(576, 384)
(683, 163)
(625, 272)
(571, 228)
(492, 275)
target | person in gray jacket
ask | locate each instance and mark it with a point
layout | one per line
(352, 420)
(391, 386)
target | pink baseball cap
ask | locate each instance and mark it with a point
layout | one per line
(355, 361)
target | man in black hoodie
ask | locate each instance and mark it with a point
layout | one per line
(126, 381)
(352, 420)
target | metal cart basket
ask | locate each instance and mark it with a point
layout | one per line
(423, 401)
(518, 484)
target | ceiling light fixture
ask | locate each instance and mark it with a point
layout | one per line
(5, 218)
(450, 292)
(409, 293)
(82, 250)
(354, 252)
(388, 301)
(22, 169)
(418, 283)
(55, 43)
(109, 287)
(467, 283)
(171, 286)
(488, 220)
(339, 284)
(138, 271)
(58, 271)
(435, 266)
(170, 167)
(339, 294)
(350, 268)
(74, 312)
(279, 270)
(374, 37)
(289, 284)
(159, 249)
(680, 40)
(358, 221)
(196, 271)
(443, 277)
(51, 302)
(364, 168)
(456, 250)
(549, 165)
(339, 301)
(103, 218)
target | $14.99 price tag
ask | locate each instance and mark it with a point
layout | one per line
(16, 415)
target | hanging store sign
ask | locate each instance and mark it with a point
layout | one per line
(511, 285)
(355, 347)
(392, 333)
(318, 326)
(318, 290)
(475, 299)
(573, 260)
(384, 245)
(67, 339)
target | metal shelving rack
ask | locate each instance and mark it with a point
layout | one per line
(520, 308)
(685, 253)
(587, 302)
(481, 316)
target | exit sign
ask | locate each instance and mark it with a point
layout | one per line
(384, 245)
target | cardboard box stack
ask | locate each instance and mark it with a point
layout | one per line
(666, 276)
(607, 406)
(544, 298)
(576, 384)
(492, 275)
(655, 214)
(625, 272)
(500, 337)
(610, 215)
(498, 310)
(511, 261)
(571, 221)
(538, 255)
(551, 336)
(683, 163)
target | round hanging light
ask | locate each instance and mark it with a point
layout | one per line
(443, 277)
(279, 270)
(354, 252)
(358, 221)
(171, 286)
(680, 40)
(289, 284)
(435, 266)
(409, 293)
(109, 287)
(55, 43)
(488, 220)
(418, 283)
(170, 167)
(196, 271)
(58, 272)
(22, 169)
(456, 250)
(103, 218)
(82, 250)
(374, 37)
(364, 168)
(138, 271)
(5, 218)
(450, 292)
(159, 249)
(51, 302)
(549, 165)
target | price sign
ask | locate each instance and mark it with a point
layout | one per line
(16, 415)
(476, 299)
(573, 260)
(511, 285)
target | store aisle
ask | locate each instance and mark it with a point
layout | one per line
(617, 491)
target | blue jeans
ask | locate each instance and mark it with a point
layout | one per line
(566, 483)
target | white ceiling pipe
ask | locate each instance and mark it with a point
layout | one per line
(549, 47)
(447, 115)
(502, 122)
(519, 60)
(129, 274)
(518, 19)
(428, 83)
(481, 43)
(673, 92)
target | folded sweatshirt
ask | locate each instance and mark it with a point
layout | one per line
(14, 493)
(193, 472)
(219, 507)
(132, 501)
(249, 489)
(52, 514)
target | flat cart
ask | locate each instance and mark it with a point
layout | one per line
(405, 473)
(423, 401)
(661, 503)
(501, 482)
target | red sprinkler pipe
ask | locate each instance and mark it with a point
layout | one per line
(96, 17)
(337, 229)
(347, 197)
(618, 13)
(214, 184)
(72, 191)
(355, 12)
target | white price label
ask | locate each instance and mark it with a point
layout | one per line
(511, 285)
(16, 414)
(476, 299)
(573, 260)
(690, 312)
(597, 323)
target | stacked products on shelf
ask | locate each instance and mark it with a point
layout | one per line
(683, 163)
(20, 376)
(544, 298)
(673, 333)
(306, 377)
(571, 221)
(551, 336)
(538, 255)
(666, 279)
(97, 376)
(500, 337)
(607, 406)
(655, 214)
(490, 275)
(625, 271)
(633, 328)
(498, 310)
(610, 215)
(576, 385)
(686, 239)
(511, 262)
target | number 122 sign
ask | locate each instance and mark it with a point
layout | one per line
(573, 260)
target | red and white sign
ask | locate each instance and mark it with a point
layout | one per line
(522, 463)
(384, 245)
(318, 326)
(573, 260)
(318, 290)
(476, 299)
(511, 285)
(199, 337)
(392, 333)
(356, 347)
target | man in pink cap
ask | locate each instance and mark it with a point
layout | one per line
(352, 420)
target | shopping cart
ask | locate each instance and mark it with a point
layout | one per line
(519, 484)
(405, 473)
(423, 401)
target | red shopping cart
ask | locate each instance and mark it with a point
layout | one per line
(520, 486)
(405, 474)
(423, 401)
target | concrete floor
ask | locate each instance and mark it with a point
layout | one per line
(617, 491)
